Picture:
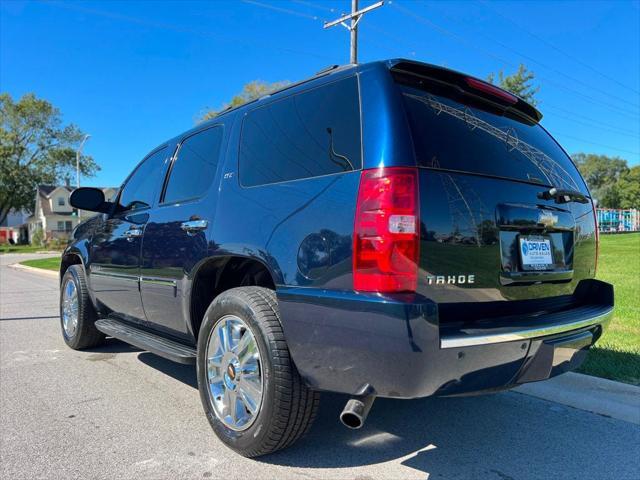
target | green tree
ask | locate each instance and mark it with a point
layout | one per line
(35, 147)
(602, 174)
(609, 196)
(629, 187)
(250, 91)
(519, 83)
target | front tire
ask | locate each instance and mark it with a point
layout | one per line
(252, 394)
(77, 315)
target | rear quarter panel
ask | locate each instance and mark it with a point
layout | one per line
(301, 230)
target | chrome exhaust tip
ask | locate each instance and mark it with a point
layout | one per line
(355, 411)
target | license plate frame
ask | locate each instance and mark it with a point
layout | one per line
(536, 253)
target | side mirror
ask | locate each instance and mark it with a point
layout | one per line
(90, 199)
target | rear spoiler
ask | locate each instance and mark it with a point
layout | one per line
(471, 86)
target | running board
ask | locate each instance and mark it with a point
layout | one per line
(164, 347)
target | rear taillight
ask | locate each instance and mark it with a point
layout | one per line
(386, 233)
(595, 222)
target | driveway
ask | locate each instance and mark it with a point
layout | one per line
(117, 412)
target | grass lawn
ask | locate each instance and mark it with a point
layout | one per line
(45, 263)
(617, 354)
(6, 248)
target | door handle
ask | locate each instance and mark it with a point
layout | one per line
(133, 233)
(193, 226)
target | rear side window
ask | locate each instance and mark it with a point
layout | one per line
(310, 134)
(450, 135)
(142, 185)
(194, 169)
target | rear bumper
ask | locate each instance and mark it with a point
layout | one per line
(350, 342)
(554, 324)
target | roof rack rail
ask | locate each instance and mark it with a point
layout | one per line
(327, 69)
(324, 71)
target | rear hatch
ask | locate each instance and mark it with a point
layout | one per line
(505, 215)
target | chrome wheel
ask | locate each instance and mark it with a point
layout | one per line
(234, 372)
(70, 308)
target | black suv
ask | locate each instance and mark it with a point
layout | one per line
(391, 229)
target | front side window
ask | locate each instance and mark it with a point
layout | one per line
(195, 166)
(142, 185)
(313, 133)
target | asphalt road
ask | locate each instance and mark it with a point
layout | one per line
(117, 412)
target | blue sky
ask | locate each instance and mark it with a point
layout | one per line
(133, 74)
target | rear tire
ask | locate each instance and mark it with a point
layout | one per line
(77, 315)
(287, 407)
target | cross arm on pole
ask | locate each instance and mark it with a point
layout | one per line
(355, 16)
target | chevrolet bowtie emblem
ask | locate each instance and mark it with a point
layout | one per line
(547, 218)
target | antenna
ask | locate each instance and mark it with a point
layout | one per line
(355, 17)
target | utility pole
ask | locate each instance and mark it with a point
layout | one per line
(353, 33)
(78, 153)
(354, 17)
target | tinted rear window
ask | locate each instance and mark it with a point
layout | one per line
(313, 133)
(450, 135)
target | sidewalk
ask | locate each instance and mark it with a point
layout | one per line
(598, 395)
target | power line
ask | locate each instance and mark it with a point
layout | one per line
(594, 124)
(556, 48)
(297, 13)
(548, 67)
(289, 11)
(447, 32)
(463, 40)
(313, 5)
(177, 28)
(596, 143)
(390, 36)
(582, 117)
(370, 25)
(578, 118)
(280, 9)
(581, 120)
(354, 18)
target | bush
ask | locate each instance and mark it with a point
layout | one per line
(37, 238)
(56, 244)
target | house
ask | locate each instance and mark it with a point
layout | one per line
(54, 214)
(13, 228)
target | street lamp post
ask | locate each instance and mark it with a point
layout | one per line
(78, 153)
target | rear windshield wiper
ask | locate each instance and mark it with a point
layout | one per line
(563, 196)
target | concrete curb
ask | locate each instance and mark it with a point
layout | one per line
(39, 271)
(592, 394)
